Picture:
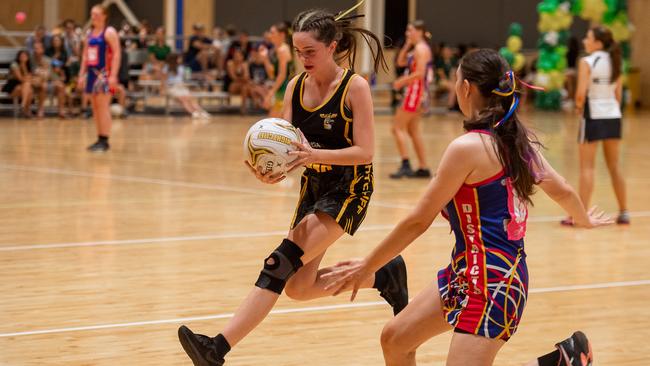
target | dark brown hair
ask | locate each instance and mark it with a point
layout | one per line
(327, 29)
(605, 37)
(515, 145)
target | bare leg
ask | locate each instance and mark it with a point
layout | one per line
(42, 94)
(484, 350)
(314, 234)
(103, 119)
(415, 132)
(421, 320)
(587, 161)
(399, 129)
(187, 104)
(60, 93)
(611, 148)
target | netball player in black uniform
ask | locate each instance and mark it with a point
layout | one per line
(333, 108)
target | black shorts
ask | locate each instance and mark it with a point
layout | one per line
(598, 129)
(342, 192)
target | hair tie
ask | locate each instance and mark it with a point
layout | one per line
(340, 16)
(512, 91)
(506, 93)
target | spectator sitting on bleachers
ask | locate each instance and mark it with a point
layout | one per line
(144, 34)
(40, 35)
(259, 72)
(445, 66)
(242, 43)
(59, 56)
(237, 77)
(198, 51)
(173, 73)
(71, 39)
(19, 82)
(129, 36)
(157, 55)
(42, 75)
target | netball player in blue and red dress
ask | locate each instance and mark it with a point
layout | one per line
(416, 56)
(98, 74)
(483, 184)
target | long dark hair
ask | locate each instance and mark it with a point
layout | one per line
(27, 64)
(516, 146)
(327, 28)
(605, 36)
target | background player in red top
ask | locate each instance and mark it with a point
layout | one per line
(416, 56)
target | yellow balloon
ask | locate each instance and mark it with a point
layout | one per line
(514, 44)
(593, 10)
(556, 79)
(544, 24)
(620, 31)
(543, 79)
(519, 63)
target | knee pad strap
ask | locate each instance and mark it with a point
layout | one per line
(280, 266)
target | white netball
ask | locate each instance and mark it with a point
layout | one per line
(268, 143)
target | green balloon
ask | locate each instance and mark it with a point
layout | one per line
(577, 6)
(548, 6)
(515, 30)
(507, 54)
(542, 45)
(561, 64)
(563, 37)
(561, 50)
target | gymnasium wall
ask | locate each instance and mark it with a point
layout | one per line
(151, 10)
(639, 11)
(256, 16)
(483, 22)
(73, 9)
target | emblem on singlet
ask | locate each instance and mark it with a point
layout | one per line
(328, 119)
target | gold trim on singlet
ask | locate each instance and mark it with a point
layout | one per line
(302, 84)
(346, 132)
(351, 196)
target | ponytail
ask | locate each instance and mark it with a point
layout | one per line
(606, 37)
(328, 27)
(515, 145)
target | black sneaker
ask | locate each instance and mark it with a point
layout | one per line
(403, 171)
(421, 173)
(201, 349)
(99, 147)
(396, 291)
(576, 350)
(87, 113)
(623, 218)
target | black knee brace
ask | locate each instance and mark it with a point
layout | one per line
(280, 266)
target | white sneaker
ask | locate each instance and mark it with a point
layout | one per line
(196, 114)
(205, 115)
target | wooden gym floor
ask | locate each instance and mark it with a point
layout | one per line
(102, 257)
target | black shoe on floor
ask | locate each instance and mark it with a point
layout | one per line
(395, 292)
(201, 349)
(421, 173)
(403, 171)
(576, 350)
(99, 147)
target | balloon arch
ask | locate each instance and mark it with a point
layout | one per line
(555, 19)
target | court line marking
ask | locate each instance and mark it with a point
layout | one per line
(240, 235)
(309, 309)
(172, 183)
